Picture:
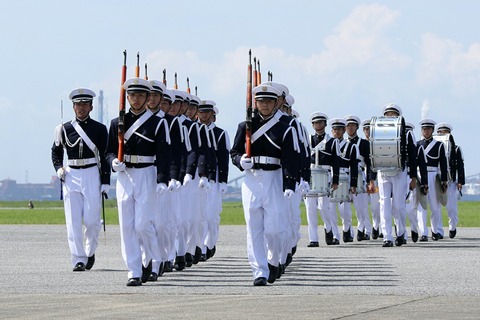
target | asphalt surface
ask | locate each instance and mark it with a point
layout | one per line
(359, 280)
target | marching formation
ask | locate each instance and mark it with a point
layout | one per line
(171, 162)
(397, 175)
(172, 165)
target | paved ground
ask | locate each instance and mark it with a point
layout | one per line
(360, 280)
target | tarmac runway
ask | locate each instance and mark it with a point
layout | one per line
(359, 280)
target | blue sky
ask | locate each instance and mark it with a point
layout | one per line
(338, 57)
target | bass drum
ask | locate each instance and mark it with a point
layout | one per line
(319, 182)
(387, 143)
(342, 194)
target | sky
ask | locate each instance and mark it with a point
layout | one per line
(338, 57)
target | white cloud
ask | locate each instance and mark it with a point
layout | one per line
(444, 61)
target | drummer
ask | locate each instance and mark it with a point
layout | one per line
(323, 154)
(373, 196)
(360, 200)
(457, 174)
(392, 185)
(348, 164)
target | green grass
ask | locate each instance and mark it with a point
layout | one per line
(51, 212)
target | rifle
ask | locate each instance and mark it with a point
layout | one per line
(255, 73)
(165, 77)
(270, 76)
(121, 107)
(196, 91)
(188, 85)
(175, 85)
(146, 75)
(137, 68)
(259, 74)
(248, 122)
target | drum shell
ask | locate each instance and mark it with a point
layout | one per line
(385, 143)
(342, 194)
(319, 182)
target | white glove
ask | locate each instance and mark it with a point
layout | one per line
(172, 185)
(187, 179)
(161, 187)
(204, 184)
(117, 165)
(246, 163)
(104, 188)
(178, 184)
(223, 188)
(288, 193)
(61, 173)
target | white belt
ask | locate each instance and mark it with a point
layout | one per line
(265, 160)
(432, 169)
(81, 162)
(130, 158)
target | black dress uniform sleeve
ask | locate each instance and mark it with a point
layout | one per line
(191, 159)
(353, 163)
(411, 160)
(238, 148)
(222, 154)
(460, 166)
(175, 146)
(422, 166)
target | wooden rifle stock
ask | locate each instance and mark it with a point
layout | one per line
(259, 74)
(255, 73)
(137, 68)
(175, 85)
(121, 116)
(165, 77)
(188, 85)
(248, 122)
(146, 74)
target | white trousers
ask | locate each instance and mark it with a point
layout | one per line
(166, 228)
(328, 211)
(374, 199)
(213, 209)
(136, 200)
(311, 204)
(265, 209)
(360, 202)
(392, 203)
(452, 205)
(435, 209)
(82, 203)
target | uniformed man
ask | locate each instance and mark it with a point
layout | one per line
(456, 181)
(393, 184)
(86, 177)
(436, 162)
(373, 195)
(360, 200)
(348, 164)
(143, 173)
(221, 145)
(323, 145)
(269, 181)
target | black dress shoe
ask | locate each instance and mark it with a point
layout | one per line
(347, 237)
(294, 250)
(313, 244)
(380, 235)
(167, 266)
(146, 271)
(374, 233)
(273, 273)
(153, 276)
(90, 262)
(79, 267)
(366, 236)
(188, 260)
(179, 263)
(261, 281)
(387, 243)
(440, 236)
(334, 242)
(399, 240)
(208, 255)
(203, 258)
(328, 236)
(414, 236)
(214, 249)
(197, 255)
(289, 259)
(161, 269)
(360, 235)
(435, 236)
(452, 233)
(134, 282)
(423, 239)
(281, 270)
